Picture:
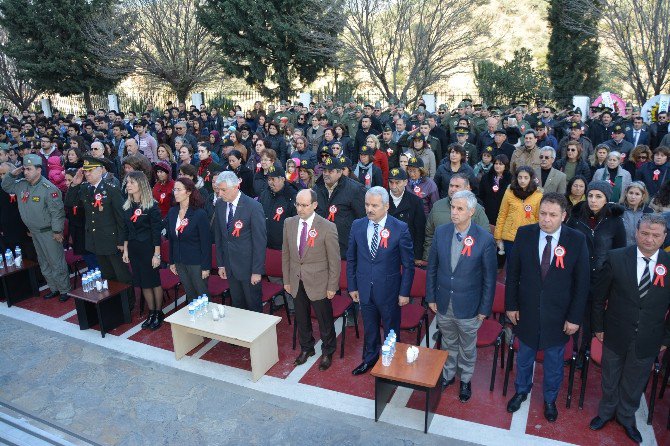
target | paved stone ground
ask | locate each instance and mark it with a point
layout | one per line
(115, 399)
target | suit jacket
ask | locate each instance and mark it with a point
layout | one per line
(545, 305)
(382, 273)
(471, 286)
(241, 255)
(619, 311)
(556, 181)
(193, 245)
(319, 267)
(643, 139)
(410, 211)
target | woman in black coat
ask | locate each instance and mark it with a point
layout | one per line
(493, 186)
(142, 245)
(602, 224)
(246, 176)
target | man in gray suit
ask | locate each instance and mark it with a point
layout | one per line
(241, 238)
(550, 179)
(460, 285)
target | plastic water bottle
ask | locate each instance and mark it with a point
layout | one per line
(198, 307)
(206, 303)
(2, 263)
(98, 283)
(9, 257)
(191, 311)
(84, 282)
(386, 355)
(18, 257)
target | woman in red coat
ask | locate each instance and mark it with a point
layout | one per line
(162, 190)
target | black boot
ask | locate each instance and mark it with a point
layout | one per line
(151, 317)
(158, 321)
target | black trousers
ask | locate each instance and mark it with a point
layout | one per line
(113, 268)
(323, 309)
(245, 295)
(623, 380)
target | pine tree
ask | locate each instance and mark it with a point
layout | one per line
(573, 56)
(276, 46)
(48, 41)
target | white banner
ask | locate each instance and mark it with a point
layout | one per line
(46, 107)
(607, 100)
(429, 99)
(113, 102)
(664, 102)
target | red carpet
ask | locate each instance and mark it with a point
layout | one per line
(50, 307)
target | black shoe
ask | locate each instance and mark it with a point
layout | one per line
(151, 317)
(446, 383)
(63, 297)
(550, 412)
(51, 295)
(302, 358)
(598, 423)
(465, 393)
(158, 320)
(326, 361)
(363, 367)
(516, 401)
(632, 432)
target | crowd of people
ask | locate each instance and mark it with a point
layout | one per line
(550, 195)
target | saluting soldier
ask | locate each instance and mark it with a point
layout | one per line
(102, 205)
(42, 211)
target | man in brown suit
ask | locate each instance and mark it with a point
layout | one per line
(311, 267)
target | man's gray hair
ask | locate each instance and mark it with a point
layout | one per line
(653, 219)
(550, 150)
(469, 197)
(227, 177)
(379, 192)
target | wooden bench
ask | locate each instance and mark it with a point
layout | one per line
(109, 308)
(249, 329)
(18, 284)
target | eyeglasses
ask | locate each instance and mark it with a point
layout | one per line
(662, 118)
(440, 113)
(571, 150)
(545, 157)
(300, 205)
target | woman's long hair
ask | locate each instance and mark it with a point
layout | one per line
(195, 200)
(518, 190)
(146, 197)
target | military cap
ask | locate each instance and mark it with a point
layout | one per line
(392, 101)
(352, 99)
(629, 104)
(32, 160)
(418, 136)
(378, 104)
(326, 149)
(468, 101)
(367, 104)
(365, 150)
(29, 133)
(636, 108)
(577, 111)
(401, 104)
(618, 129)
(477, 106)
(488, 150)
(345, 162)
(462, 130)
(576, 125)
(387, 128)
(338, 104)
(442, 107)
(397, 174)
(276, 172)
(462, 104)
(25, 145)
(496, 111)
(91, 162)
(329, 98)
(540, 125)
(415, 162)
(499, 132)
(522, 104)
(284, 103)
(358, 109)
(332, 163)
(306, 164)
(420, 109)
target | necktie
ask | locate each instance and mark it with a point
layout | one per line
(229, 223)
(645, 280)
(637, 136)
(546, 258)
(459, 237)
(303, 239)
(375, 241)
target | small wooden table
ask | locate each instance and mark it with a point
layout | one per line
(18, 283)
(108, 307)
(422, 375)
(255, 331)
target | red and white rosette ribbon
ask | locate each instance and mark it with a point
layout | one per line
(468, 243)
(74, 210)
(368, 179)
(98, 200)
(238, 225)
(656, 174)
(182, 225)
(389, 152)
(136, 215)
(495, 188)
(162, 198)
(24, 197)
(417, 192)
(312, 235)
(660, 271)
(12, 198)
(559, 253)
(528, 208)
(331, 212)
(278, 212)
(258, 167)
(384, 242)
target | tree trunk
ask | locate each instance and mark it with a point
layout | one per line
(87, 100)
(182, 95)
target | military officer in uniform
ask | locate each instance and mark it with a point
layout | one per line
(407, 207)
(471, 151)
(102, 205)
(42, 211)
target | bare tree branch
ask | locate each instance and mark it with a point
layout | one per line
(12, 88)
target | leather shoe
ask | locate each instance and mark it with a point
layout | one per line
(446, 383)
(632, 432)
(51, 294)
(326, 361)
(516, 401)
(465, 393)
(363, 367)
(598, 423)
(302, 357)
(63, 297)
(550, 412)
(150, 319)
(158, 320)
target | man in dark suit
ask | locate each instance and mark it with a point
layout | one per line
(311, 266)
(545, 295)
(379, 246)
(461, 283)
(408, 208)
(638, 134)
(239, 232)
(630, 303)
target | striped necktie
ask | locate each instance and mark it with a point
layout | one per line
(375, 241)
(645, 280)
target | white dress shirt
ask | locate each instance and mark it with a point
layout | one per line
(554, 243)
(371, 229)
(641, 264)
(235, 202)
(309, 222)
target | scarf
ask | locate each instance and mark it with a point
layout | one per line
(204, 164)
